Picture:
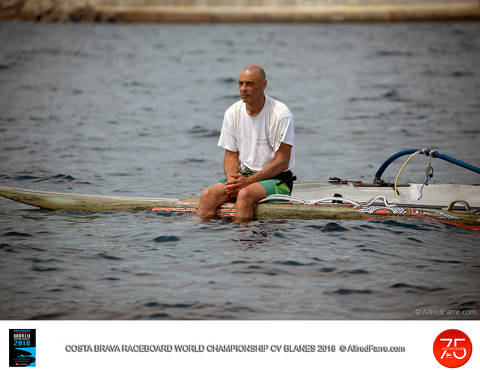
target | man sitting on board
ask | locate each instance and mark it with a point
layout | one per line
(258, 138)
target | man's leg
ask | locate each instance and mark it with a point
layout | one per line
(246, 199)
(211, 199)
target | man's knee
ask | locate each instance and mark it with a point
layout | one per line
(206, 193)
(244, 194)
(214, 194)
(211, 192)
(249, 195)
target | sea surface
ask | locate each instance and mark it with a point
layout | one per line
(136, 110)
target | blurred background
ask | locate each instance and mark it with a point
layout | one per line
(238, 10)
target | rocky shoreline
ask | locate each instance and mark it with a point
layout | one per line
(90, 11)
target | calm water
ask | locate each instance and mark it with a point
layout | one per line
(136, 110)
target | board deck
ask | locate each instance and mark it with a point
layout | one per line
(273, 210)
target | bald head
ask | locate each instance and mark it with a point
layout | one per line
(251, 83)
(256, 70)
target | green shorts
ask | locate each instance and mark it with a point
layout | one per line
(271, 186)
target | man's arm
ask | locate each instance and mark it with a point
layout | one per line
(277, 166)
(274, 168)
(230, 164)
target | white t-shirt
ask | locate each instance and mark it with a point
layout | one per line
(258, 138)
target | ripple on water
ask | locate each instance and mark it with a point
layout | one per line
(416, 288)
(199, 131)
(166, 239)
(447, 261)
(18, 234)
(44, 269)
(344, 291)
(470, 308)
(236, 262)
(48, 316)
(7, 248)
(293, 263)
(327, 269)
(401, 225)
(56, 179)
(329, 227)
(181, 310)
(108, 256)
(227, 80)
(354, 272)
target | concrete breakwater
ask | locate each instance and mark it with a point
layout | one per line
(222, 11)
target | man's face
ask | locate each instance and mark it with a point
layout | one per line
(251, 86)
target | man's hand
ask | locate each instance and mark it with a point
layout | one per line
(234, 183)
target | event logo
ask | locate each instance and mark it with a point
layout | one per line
(22, 348)
(452, 348)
